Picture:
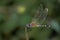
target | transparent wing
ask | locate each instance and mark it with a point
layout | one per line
(40, 15)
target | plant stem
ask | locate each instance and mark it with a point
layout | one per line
(26, 34)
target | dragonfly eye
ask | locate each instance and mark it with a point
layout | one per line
(28, 25)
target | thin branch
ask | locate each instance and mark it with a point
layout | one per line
(26, 34)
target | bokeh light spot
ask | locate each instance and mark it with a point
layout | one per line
(21, 9)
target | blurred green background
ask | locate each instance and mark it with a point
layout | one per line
(15, 14)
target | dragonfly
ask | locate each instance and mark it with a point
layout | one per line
(41, 14)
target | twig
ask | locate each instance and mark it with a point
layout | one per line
(26, 34)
